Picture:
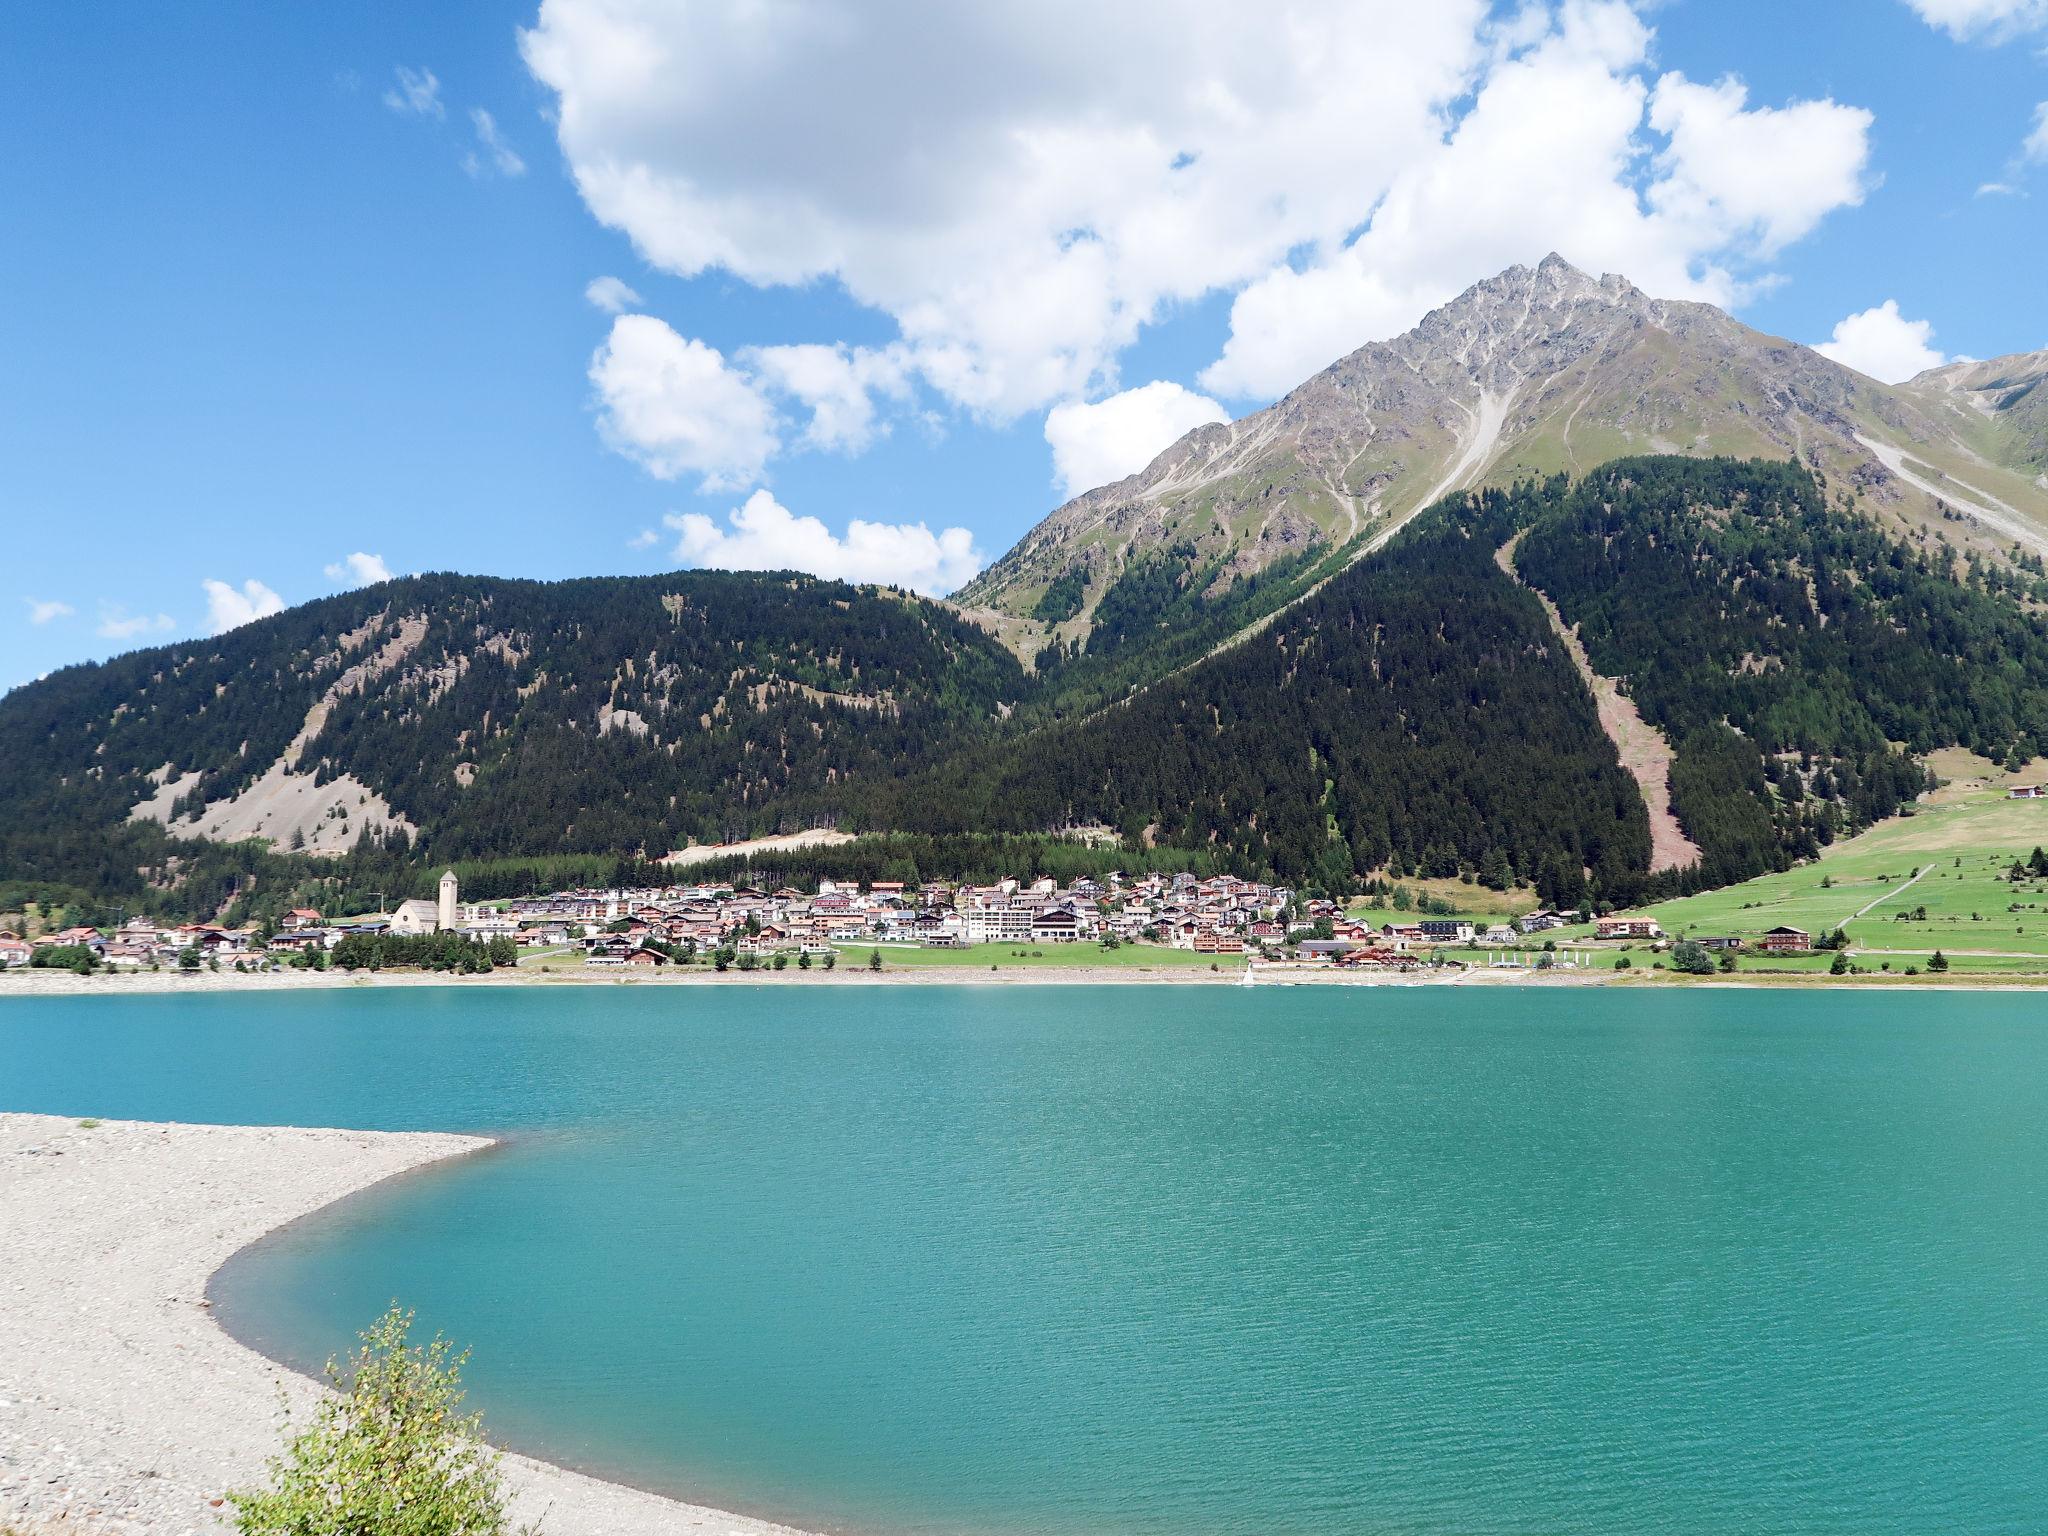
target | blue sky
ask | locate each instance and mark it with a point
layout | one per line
(262, 309)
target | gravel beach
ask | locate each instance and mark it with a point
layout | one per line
(123, 1407)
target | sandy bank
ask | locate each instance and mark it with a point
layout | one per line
(56, 983)
(123, 1407)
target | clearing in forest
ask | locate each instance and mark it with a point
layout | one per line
(1644, 751)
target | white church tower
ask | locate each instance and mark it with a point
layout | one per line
(444, 920)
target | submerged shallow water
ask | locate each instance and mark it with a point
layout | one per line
(1178, 1260)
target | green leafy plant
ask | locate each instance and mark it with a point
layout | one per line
(389, 1452)
(1691, 957)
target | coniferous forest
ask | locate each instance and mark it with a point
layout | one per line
(1412, 712)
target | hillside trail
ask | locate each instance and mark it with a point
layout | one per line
(1886, 896)
(1644, 751)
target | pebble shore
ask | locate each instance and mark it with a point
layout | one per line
(124, 1408)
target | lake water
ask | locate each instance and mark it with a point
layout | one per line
(1134, 1260)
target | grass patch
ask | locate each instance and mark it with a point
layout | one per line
(1473, 901)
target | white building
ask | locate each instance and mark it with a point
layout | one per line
(999, 922)
(415, 917)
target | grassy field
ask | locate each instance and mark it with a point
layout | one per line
(1932, 880)
(1474, 901)
(565, 957)
(981, 957)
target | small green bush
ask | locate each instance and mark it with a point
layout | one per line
(389, 1451)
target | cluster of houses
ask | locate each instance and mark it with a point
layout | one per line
(1218, 916)
(644, 927)
(140, 943)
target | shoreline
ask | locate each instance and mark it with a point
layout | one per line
(57, 983)
(125, 1406)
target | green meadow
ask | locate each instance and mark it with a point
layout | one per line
(1936, 879)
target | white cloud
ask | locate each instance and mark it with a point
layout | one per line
(417, 94)
(1023, 208)
(675, 408)
(1754, 179)
(359, 570)
(1093, 444)
(646, 538)
(611, 295)
(1075, 170)
(42, 612)
(1884, 344)
(228, 608)
(1552, 156)
(493, 154)
(764, 535)
(837, 384)
(1995, 20)
(2036, 146)
(117, 623)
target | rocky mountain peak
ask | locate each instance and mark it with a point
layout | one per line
(1534, 371)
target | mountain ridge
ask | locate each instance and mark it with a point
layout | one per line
(1534, 371)
(1290, 645)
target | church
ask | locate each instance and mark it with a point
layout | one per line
(436, 916)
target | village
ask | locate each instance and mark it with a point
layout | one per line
(727, 925)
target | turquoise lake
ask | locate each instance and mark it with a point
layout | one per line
(1190, 1259)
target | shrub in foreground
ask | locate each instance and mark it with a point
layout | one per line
(389, 1451)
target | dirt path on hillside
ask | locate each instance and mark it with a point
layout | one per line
(1876, 902)
(1644, 751)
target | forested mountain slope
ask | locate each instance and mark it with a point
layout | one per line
(1418, 712)
(1415, 712)
(494, 717)
(1798, 658)
(1537, 371)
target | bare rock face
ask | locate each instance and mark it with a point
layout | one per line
(2000, 404)
(1539, 370)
